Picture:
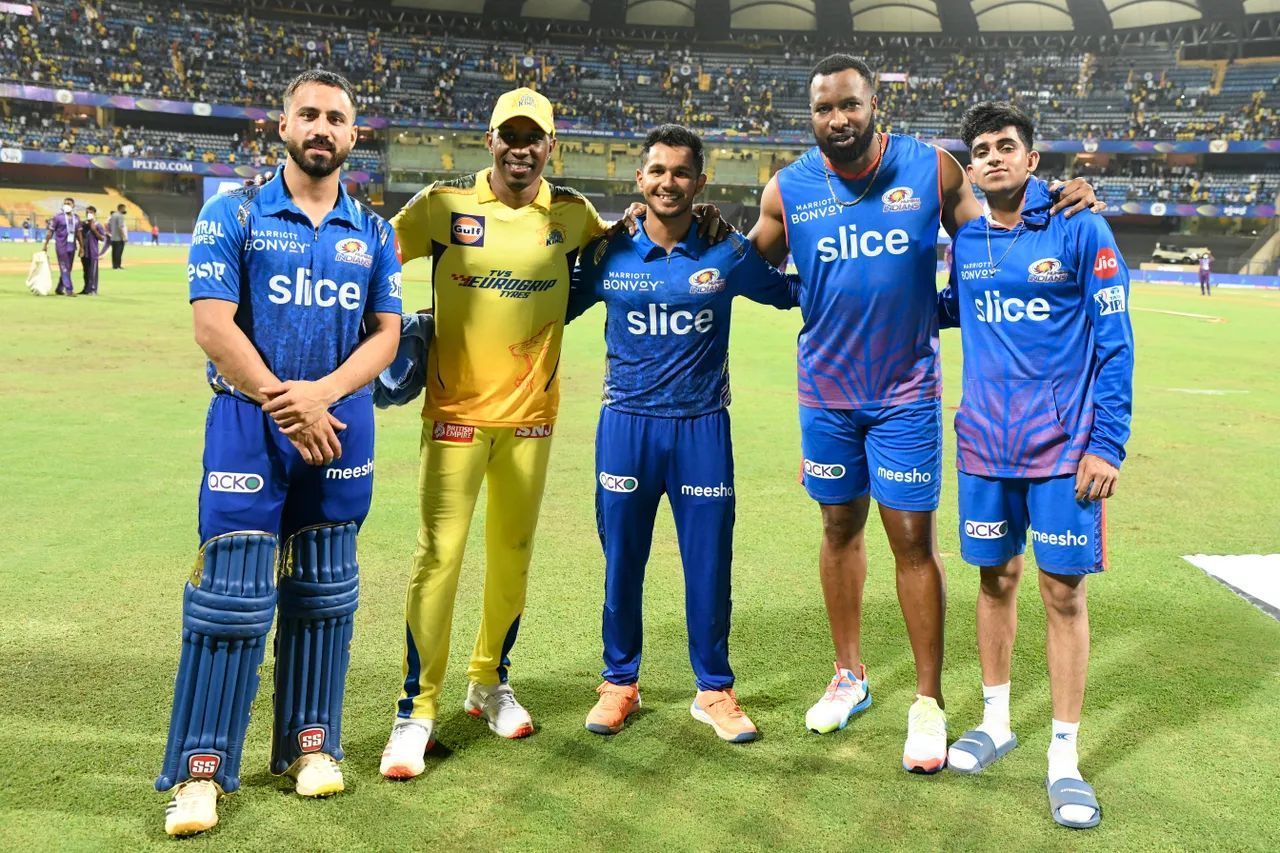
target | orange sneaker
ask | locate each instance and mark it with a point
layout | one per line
(720, 710)
(616, 703)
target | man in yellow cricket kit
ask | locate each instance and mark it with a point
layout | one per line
(502, 244)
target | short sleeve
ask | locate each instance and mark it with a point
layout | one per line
(412, 227)
(592, 225)
(214, 264)
(384, 281)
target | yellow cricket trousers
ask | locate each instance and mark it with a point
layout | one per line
(455, 460)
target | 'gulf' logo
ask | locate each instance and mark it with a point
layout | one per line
(467, 230)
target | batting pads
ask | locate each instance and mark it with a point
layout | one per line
(318, 591)
(226, 613)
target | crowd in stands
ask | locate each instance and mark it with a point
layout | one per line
(194, 53)
(1146, 180)
(253, 145)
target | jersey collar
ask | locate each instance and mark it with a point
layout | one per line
(484, 192)
(691, 246)
(274, 198)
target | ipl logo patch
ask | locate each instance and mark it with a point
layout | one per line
(466, 230)
(1110, 300)
(1046, 270)
(900, 199)
(706, 281)
(353, 251)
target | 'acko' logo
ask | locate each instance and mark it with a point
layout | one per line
(231, 481)
(203, 765)
(615, 483)
(1105, 263)
(985, 529)
(823, 470)
(466, 230)
(311, 740)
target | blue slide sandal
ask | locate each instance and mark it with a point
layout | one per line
(980, 745)
(1073, 792)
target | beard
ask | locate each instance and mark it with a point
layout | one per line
(312, 164)
(850, 153)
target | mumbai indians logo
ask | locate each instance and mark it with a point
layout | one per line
(353, 251)
(230, 481)
(900, 199)
(614, 483)
(467, 230)
(822, 470)
(1046, 270)
(555, 234)
(706, 281)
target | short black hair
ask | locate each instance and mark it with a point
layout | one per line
(121, 208)
(70, 199)
(990, 116)
(89, 208)
(837, 62)
(324, 78)
(676, 136)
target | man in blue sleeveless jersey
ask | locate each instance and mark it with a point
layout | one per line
(1041, 431)
(664, 426)
(295, 287)
(860, 214)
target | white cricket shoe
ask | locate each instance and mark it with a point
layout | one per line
(846, 695)
(926, 748)
(497, 704)
(405, 754)
(316, 774)
(194, 808)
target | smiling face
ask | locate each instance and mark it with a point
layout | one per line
(520, 149)
(1000, 161)
(669, 180)
(318, 128)
(842, 108)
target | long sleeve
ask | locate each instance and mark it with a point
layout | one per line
(1105, 280)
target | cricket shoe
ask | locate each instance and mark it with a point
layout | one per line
(497, 704)
(847, 694)
(194, 808)
(720, 710)
(616, 703)
(926, 748)
(316, 774)
(405, 754)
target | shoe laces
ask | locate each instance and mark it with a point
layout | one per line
(401, 733)
(504, 699)
(927, 718)
(841, 686)
(614, 696)
(721, 698)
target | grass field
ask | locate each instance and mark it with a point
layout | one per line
(100, 462)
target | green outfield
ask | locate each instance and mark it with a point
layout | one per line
(100, 463)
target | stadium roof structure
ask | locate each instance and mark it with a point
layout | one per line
(831, 17)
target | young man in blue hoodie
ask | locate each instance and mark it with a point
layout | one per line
(1041, 430)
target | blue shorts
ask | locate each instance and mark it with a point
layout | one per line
(893, 452)
(254, 479)
(1070, 536)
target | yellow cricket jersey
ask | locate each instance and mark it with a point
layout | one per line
(500, 281)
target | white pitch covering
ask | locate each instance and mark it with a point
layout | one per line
(1255, 575)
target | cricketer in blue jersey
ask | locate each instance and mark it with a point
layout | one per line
(295, 288)
(860, 214)
(1042, 303)
(664, 425)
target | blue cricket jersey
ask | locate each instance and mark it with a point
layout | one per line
(301, 292)
(870, 335)
(667, 322)
(1048, 347)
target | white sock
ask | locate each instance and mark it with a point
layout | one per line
(995, 713)
(1064, 763)
(995, 723)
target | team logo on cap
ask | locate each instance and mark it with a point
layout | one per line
(1046, 270)
(900, 199)
(527, 101)
(353, 251)
(467, 230)
(706, 281)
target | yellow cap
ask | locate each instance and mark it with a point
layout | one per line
(523, 102)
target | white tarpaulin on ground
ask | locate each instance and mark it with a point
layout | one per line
(39, 279)
(1255, 576)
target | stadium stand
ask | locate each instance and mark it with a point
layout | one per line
(18, 204)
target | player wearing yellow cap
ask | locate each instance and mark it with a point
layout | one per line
(502, 244)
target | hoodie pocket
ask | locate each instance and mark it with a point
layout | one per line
(1006, 423)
